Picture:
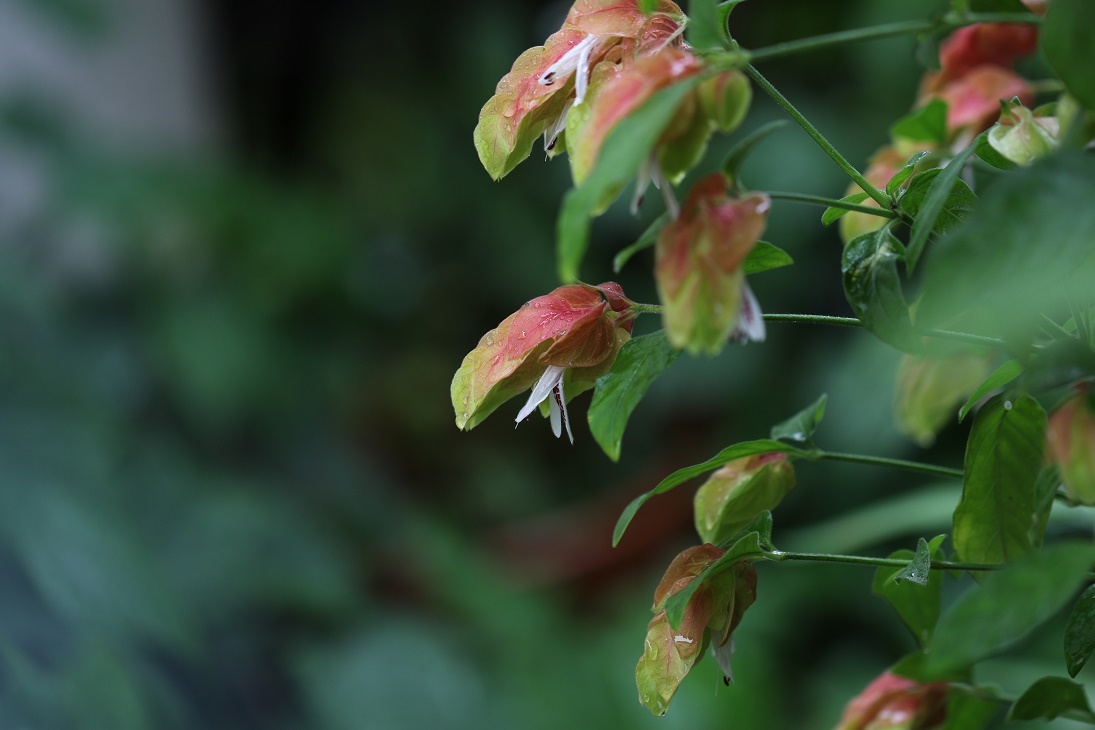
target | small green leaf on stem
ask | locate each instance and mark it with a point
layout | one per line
(833, 214)
(1050, 698)
(801, 426)
(737, 451)
(916, 603)
(1003, 375)
(904, 174)
(737, 154)
(619, 391)
(765, 256)
(944, 202)
(1003, 460)
(873, 288)
(989, 155)
(1080, 632)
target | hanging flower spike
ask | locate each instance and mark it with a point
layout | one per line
(557, 344)
(891, 702)
(534, 98)
(699, 272)
(1070, 443)
(710, 617)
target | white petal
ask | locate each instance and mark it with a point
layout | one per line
(722, 657)
(556, 416)
(581, 78)
(569, 61)
(552, 376)
(750, 324)
(551, 134)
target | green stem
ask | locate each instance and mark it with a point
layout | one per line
(913, 466)
(845, 36)
(880, 197)
(831, 203)
(780, 555)
(889, 30)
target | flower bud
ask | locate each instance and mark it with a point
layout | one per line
(725, 99)
(1070, 443)
(735, 494)
(929, 389)
(712, 614)
(577, 330)
(883, 165)
(1023, 137)
(891, 702)
(699, 264)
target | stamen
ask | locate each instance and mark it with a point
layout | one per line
(561, 403)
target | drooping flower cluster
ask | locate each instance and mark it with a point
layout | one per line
(712, 614)
(891, 702)
(701, 282)
(557, 345)
(1070, 444)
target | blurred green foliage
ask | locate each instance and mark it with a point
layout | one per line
(231, 493)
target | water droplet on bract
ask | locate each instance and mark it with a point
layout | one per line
(1007, 405)
(509, 109)
(464, 415)
(532, 103)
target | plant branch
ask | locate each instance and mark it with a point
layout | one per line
(780, 555)
(831, 203)
(889, 30)
(880, 197)
(913, 466)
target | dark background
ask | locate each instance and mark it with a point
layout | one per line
(244, 247)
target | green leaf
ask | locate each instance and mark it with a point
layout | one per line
(1045, 494)
(765, 256)
(648, 6)
(747, 546)
(919, 568)
(627, 145)
(989, 155)
(904, 174)
(831, 215)
(926, 124)
(705, 30)
(648, 239)
(917, 604)
(1067, 37)
(938, 201)
(737, 451)
(1080, 632)
(873, 288)
(737, 154)
(991, 617)
(762, 525)
(1050, 698)
(1003, 459)
(1003, 375)
(640, 361)
(1031, 232)
(801, 426)
(970, 710)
